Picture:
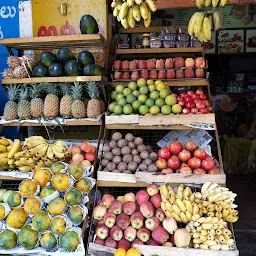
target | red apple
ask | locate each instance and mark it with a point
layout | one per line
(117, 64)
(117, 75)
(116, 207)
(161, 74)
(137, 220)
(190, 93)
(151, 64)
(175, 147)
(137, 241)
(195, 96)
(152, 223)
(129, 197)
(194, 110)
(156, 200)
(125, 65)
(160, 64)
(180, 74)
(205, 102)
(143, 234)
(164, 153)
(153, 243)
(87, 147)
(99, 212)
(102, 231)
(99, 241)
(184, 95)
(147, 209)
(182, 103)
(189, 73)
(170, 225)
(160, 235)
(142, 197)
(152, 189)
(203, 96)
(126, 75)
(200, 62)
(200, 73)
(142, 64)
(160, 214)
(200, 105)
(189, 63)
(89, 156)
(184, 155)
(168, 63)
(132, 65)
(135, 75)
(129, 207)
(179, 62)
(109, 219)
(204, 110)
(152, 74)
(199, 92)
(75, 149)
(170, 74)
(125, 244)
(107, 200)
(130, 233)
(111, 243)
(144, 74)
(173, 162)
(116, 233)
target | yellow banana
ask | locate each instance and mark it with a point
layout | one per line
(207, 28)
(48, 162)
(192, 198)
(163, 207)
(201, 36)
(207, 3)
(189, 206)
(169, 206)
(3, 148)
(210, 242)
(195, 209)
(136, 13)
(168, 213)
(196, 235)
(171, 194)
(210, 214)
(218, 208)
(61, 146)
(4, 161)
(116, 12)
(11, 161)
(215, 247)
(33, 141)
(49, 152)
(183, 217)
(231, 218)
(191, 25)
(144, 11)
(4, 141)
(15, 148)
(186, 193)
(180, 192)
(218, 232)
(147, 22)
(215, 3)
(130, 18)
(181, 205)
(4, 155)
(176, 209)
(25, 168)
(119, 4)
(195, 217)
(164, 191)
(124, 10)
(211, 232)
(205, 187)
(176, 217)
(204, 232)
(151, 5)
(206, 226)
(34, 150)
(56, 153)
(223, 2)
(42, 152)
(197, 241)
(25, 161)
(138, 2)
(114, 4)
(227, 236)
(204, 247)
(130, 3)
(9, 148)
(19, 155)
(41, 163)
(188, 215)
(199, 4)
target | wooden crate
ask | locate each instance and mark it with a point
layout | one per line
(116, 177)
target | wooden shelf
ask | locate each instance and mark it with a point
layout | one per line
(54, 42)
(101, 183)
(141, 30)
(174, 82)
(10, 178)
(143, 127)
(62, 79)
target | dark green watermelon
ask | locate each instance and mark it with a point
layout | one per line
(86, 58)
(48, 58)
(88, 25)
(73, 68)
(64, 55)
(92, 70)
(40, 71)
(56, 70)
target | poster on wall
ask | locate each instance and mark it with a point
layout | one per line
(251, 40)
(231, 41)
(210, 46)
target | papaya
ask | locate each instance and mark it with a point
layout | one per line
(58, 225)
(57, 206)
(14, 199)
(28, 238)
(48, 241)
(56, 70)
(42, 177)
(8, 239)
(69, 240)
(92, 70)
(73, 197)
(32, 205)
(88, 25)
(75, 214)
(86, 58)
(64, 55)
(6, 195)
(2, 212)
(83, 185)
(2, 191)
(17, 218)
(76, 170)
(40, 71)
(41, 221)
(28, 188)
(73, 68)
(57, 167)
(61, 181)
(47, 191)
(48, 58)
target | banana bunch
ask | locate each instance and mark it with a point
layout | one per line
(201, 25)
(181, 206)
(128, 12)
(208, 3)
(210, 233)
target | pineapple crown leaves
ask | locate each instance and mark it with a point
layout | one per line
(93, 89)
(36, 90)
(77, 91)
(65, 89)
(13, 92)
(52, 89)
(24, 93)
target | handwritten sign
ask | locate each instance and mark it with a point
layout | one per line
(7, 12)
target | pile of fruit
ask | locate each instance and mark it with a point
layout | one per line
(208, 3)
(47, 209)
(19, 67)
(50, 101)
(178, 68)
(149, 98)
(129, 12)
(65, 63)
(127, 154)
(187, 158)
(130, 252)
(206, 213)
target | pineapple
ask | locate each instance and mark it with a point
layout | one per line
(8, 74)
(66, 101)
(24, 104)
(78, 108)
(51, 102)
(13, 62)
(37, 103)
(11, 107)
(20, 72)
(94, 108)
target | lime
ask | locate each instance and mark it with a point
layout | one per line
(144, 109)
(132, 86)
(136, 93)
(143, 89)
(160, 102)
(152, 88)
(127, 109)
(141, 82)
(119, 96)
(154, 110)
(113, 114)
(150, 82)
(142, 98)
(118, 109)
(176, 108)
(154, 95)
(148, 114)
(122, 102)
(166, 110)
(111, 106)
(150, 102)
(170, 100)
(113, 95)
(136, 104)
(164, 93)
(160, 86)
(119, 88)
(131, 98)
(127, 91)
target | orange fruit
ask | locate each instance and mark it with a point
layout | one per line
(133, 252)
(120, 252)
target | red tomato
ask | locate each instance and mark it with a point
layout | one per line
(194, 110)
(164, 153)
(173, 162)
(185, 170)
(190, 104)
(175, 147)
(199, 171)
(161, 164)
(167, 171)
(186, 110)
(194, 163)
(183, 95)
(208, 164)
(184, 155)
(190, 146)
(200, 153)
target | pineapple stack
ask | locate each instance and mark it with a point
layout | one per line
(11, 107)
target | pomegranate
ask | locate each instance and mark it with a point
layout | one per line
(182, 103)
(175, 147)
(184, 155)
(190, 104)
(142, 64)
(204, 110)
(199, 171)
(161, 164)
(164, 153)
(190, 146)
(186, 110)
(203, 96)
(167, 171)
(125, 65)
(208, 164)
(194, 163)
(117, 64)
(186, 170)
(200, 105)
(173, 162)
(200, 153)
(194, 110)
(199, 91)
(170, 74)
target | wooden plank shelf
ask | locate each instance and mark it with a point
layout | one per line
(102, 183)
(62, 79)
(10, 178)
(141, 30)
(146, 127)
(54, 42)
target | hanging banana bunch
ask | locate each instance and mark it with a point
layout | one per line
(207, 3)
(128, 12)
